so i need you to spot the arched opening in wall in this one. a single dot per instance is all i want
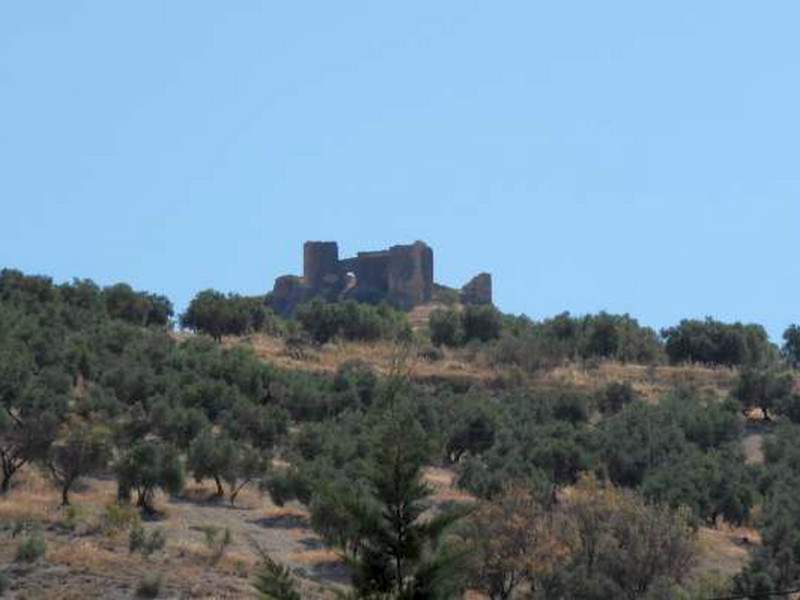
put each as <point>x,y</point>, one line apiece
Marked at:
<point>350,283</point>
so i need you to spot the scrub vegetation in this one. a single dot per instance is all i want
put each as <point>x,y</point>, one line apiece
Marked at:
<point>356,450</point>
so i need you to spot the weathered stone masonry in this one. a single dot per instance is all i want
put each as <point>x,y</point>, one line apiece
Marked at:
<point>401,275</point>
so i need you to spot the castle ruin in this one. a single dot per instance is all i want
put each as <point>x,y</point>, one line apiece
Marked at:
<point>401,276</point>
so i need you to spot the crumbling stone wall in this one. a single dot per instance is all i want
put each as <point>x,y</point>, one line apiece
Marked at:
<point>478,290</point>
<point>410,275</point>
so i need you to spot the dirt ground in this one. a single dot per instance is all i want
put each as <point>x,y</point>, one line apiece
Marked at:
<point>85,560</point>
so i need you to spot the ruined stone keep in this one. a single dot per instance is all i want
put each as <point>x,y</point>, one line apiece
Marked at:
<point>401,275</point>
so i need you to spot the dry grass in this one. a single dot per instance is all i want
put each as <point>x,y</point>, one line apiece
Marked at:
<point>315,557</point>
<point>97,556</point>
<point>31,499</point>
<point>381,356</point>
<point>753,448</point>
<point>82,560</point>
<point>459,365</point>
<point>443,483</point>
<point>651,382</point>
<point>725,550</point>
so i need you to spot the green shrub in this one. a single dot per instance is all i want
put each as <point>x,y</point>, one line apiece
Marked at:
<point>791,345</point>
<point>351,321</point>
<point>481,323</point>
<point>763,388</point>
<point>273,580</point>
<point>147,466</point>
<point>146,544</point>
<point>355,379</point>
<point>118,517</point>
<point>32,547</point>
<point>446,328</point>
<point>713,342</point>
<point>216,314</point>
<point>530,351</point>
<point>217,540</point>
<point>615,396</point>
<point>73,516</point>
<point>149,586</point>
<point>536,345</point>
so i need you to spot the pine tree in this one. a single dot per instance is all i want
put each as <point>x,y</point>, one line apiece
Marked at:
<point>398,553</point>
<point>273,581</point>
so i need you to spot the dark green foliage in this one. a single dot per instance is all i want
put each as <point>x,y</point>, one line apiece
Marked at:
<point>216,314</point>
<point>638,439</point>
<point>789,407</point>
<point>398,552</point>
<point>712,485</point>
<point>451,327</point>
<point>137,308</point>
<point>211,456</point>
<point>139,540</point>
<point>33,403</point>
<point>147,466</point>
<point>530,350</point>
<point>32,547</point>
<point>273,581</point>
<point>539,438</point>
<point>249,465</point>
<point>446,327</point>
<point>481,323</point>
<point>776,564</point>
<point>356,383</point>
<point>615,396</point>
<point>471,429</point>
<point>791,345</point>
<point>177,424</point>
<point>261,426</point>
<point>336,510</point>
<point>568,405</point>
<point>82,451</point>
<point>705,421</point>
<point>351,321</point>
<point>536,345</point>
<point>764,389</point>
<point>237,453</point>
<point>781,456</point>
<point>360,474</point>
<point>602,338</point>
<point>716,343</point>
<point>681,452</point>
<point>319,319</point>
<point>82,302</point>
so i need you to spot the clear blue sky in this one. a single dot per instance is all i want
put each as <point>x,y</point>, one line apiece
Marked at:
<point>630,156</point>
